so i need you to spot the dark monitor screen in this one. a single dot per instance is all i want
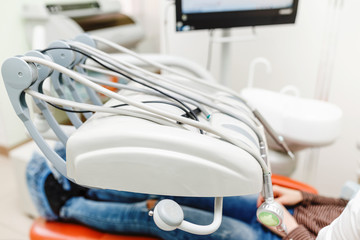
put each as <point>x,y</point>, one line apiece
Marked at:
<point>211,14</point>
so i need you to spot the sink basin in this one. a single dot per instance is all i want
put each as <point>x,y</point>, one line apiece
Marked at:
<point>302,122</point>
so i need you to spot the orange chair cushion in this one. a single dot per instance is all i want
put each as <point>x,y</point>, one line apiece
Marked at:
<point>45,230</point>
<point>293,184</point>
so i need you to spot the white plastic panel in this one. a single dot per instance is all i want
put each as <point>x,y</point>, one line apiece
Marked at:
<point>132,154</point>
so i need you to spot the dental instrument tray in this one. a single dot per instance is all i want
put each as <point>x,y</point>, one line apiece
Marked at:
<point>168,134</point>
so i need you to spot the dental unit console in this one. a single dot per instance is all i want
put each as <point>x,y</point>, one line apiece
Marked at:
<point>170,134</point>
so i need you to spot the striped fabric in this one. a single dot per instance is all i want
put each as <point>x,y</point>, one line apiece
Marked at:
<point>314,213</point>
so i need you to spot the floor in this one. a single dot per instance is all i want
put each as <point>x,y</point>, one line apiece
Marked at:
<point>14,225</point>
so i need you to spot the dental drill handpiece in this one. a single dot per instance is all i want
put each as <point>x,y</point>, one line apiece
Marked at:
<point>270,213</point>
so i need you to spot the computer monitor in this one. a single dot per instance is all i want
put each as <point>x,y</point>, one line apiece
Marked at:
<point>211,14</point>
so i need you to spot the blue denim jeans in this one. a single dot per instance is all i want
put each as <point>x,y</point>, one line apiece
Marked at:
<point>124,212</point>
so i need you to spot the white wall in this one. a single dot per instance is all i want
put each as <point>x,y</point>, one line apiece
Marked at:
<point>294,52</point>
<point>12,43</point>
<point>3,141</point>
<point>147,13</point>
<point>342,159</point>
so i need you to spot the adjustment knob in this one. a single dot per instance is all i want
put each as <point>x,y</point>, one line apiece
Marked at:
<point>168,215</point>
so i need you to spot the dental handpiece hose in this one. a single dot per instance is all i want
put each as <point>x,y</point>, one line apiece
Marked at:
<point>277,138</point>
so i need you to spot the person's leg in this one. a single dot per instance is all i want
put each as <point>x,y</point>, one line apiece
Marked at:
<point>48,194</point>
<point>117,196</point>
<point>37,172</point>
<point>239,207</point>
<point>134,219</point>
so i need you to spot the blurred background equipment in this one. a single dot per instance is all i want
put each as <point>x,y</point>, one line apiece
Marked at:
<point>61,20</point>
